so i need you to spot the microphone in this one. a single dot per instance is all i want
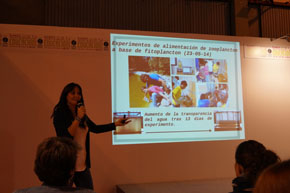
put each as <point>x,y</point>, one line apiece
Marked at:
<point>84,119</point>
<point>80,104</point>
<point>124,121</point>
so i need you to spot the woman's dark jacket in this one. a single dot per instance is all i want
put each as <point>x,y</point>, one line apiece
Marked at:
<point>62,120</point>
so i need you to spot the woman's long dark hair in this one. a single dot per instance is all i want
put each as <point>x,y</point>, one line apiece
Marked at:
<point>62,103</point>
<point>254,158</point>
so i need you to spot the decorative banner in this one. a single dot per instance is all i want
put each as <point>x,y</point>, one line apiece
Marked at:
<point>56,42</point>
<point>22,40</point>
<point>274,52</point>
<point>85,43</point>
<point>52,42</point>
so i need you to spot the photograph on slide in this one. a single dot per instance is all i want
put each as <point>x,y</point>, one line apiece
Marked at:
<point>149,81</point>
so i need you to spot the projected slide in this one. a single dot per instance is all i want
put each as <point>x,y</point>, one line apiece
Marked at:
<point>176,90</point>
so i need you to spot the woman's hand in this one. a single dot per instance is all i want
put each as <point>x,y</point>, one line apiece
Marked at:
<point>81,111</point>
<point>122,122</point>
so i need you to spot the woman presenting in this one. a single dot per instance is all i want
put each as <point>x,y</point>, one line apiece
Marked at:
<point>70,120</point>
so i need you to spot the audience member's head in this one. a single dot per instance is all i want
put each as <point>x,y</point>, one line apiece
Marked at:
<point>55,161</point>
<point>252,158</point>
<point>275,179</point>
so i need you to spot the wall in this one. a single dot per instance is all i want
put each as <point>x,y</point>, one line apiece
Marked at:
<point>31,80</point>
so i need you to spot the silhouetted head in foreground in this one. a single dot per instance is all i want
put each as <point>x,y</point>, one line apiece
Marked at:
<point>252,158</point>
<point>55,161</point>
<point>275,179</point>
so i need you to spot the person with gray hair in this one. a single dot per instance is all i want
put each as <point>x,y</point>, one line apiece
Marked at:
<point>55,166</point>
